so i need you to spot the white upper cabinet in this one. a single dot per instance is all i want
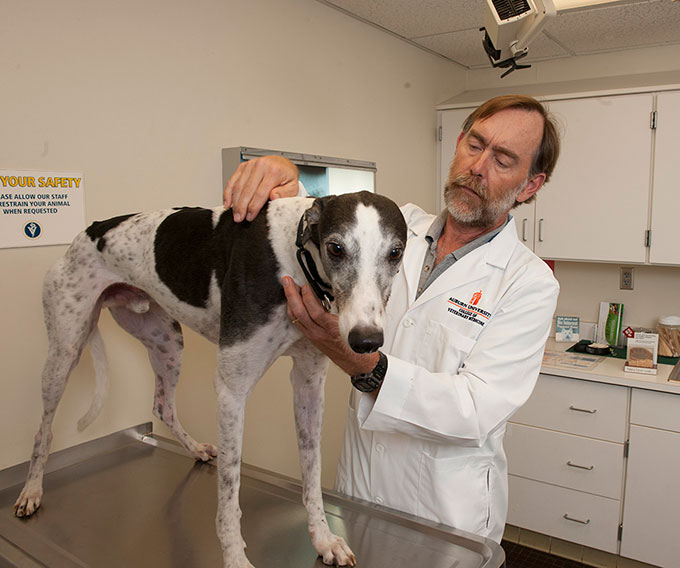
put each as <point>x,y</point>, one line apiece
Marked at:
<point>615,193</point>
<point>596,206</point>
<point>665,244</point>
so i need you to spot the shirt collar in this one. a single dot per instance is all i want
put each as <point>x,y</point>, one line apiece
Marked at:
<point>437,226</point>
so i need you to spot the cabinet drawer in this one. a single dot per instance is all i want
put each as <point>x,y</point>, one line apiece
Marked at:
<point>655,409</point>
<point>578,407</point>
<point>574,462</point>
<point>564,513</point>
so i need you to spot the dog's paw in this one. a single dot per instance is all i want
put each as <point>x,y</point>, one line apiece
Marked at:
<point>204,452</point>
<point>27,503</point>
<point>237,564</point>
<point>236,559</point>
<point>334,551</point>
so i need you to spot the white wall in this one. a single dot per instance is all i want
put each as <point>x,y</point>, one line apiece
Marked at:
<point>141,96</point>
<point>615,64</point>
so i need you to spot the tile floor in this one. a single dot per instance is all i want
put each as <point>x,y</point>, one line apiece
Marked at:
<point>518,556</point>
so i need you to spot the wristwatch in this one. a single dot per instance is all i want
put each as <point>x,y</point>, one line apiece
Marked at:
<point>368,382</point>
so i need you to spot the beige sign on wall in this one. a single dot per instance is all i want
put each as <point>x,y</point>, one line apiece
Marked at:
<point>40,208</point>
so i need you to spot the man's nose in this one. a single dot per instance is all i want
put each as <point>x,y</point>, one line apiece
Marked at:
<point>479,165</point>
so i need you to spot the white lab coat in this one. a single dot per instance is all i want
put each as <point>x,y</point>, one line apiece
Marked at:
<point>431,444</point>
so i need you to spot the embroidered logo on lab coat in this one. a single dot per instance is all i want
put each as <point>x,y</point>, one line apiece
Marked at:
<point>469,311</point>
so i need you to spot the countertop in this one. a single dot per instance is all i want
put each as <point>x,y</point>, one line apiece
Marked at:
<point>602,369</point>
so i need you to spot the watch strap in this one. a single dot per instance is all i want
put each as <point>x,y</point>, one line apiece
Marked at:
<point>369,382</point>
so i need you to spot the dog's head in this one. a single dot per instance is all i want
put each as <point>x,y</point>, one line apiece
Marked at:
<point>361,239</point>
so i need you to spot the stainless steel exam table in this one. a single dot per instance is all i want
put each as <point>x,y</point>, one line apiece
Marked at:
<point>133,499</point>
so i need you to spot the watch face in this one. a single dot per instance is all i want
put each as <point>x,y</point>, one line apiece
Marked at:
<point>366,383</point>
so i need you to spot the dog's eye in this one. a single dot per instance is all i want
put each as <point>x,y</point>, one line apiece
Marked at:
<point>395,253</point>
<point>334,249</point>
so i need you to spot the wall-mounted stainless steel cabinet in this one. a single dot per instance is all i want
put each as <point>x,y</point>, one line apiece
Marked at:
<point>321,175</point>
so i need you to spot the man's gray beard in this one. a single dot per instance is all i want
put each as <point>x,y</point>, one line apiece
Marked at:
<point>474,213</point>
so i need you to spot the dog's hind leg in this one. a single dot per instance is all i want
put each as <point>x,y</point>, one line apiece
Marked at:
<point>308,377</point>
<point>60,361</point>
<point>162,337</point>
<point>70,318</point>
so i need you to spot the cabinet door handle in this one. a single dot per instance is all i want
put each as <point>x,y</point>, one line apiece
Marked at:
<point>575,408</point>
<point>572,519</point>
<point>588,467</point>
<point>540,230</point>
<point>524,229</point>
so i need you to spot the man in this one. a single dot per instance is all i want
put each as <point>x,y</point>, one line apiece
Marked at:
<point>466,326</point>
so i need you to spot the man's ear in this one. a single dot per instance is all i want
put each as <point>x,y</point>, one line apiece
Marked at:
<point>533,185</point>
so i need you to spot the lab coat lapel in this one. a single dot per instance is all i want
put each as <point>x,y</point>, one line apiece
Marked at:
<point>414,255</point>
<point>473,266</point>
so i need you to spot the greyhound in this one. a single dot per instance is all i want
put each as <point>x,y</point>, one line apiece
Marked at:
<point>222,279</point>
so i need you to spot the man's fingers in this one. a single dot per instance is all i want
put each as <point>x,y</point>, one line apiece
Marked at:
<point>296,308</point>
<point>312,304</point>
<point>232,183</point>
<point>255,182</point>
<point>246,199</point>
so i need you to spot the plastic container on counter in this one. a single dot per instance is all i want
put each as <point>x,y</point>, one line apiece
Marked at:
<point>669,336</point>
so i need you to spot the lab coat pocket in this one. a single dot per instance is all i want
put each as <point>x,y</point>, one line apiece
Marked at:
<point>455,491</point>
<point>443,349</point>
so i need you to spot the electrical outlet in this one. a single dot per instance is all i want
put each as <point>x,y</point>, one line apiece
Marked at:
<point>626,279</point>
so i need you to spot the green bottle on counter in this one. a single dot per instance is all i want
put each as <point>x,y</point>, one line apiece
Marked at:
<point>612,328</point>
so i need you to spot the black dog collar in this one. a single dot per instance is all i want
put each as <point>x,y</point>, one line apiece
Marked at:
<point>308,266</point>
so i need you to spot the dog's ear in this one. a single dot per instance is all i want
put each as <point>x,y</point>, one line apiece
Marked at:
<point>312,217</point>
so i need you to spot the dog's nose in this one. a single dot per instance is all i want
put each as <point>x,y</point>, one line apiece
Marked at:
<point>365,341</point>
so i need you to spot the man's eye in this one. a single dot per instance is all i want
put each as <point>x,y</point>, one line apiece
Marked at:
<point>335,249</point>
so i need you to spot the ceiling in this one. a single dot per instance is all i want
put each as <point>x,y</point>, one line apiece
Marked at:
<point>450,28</point>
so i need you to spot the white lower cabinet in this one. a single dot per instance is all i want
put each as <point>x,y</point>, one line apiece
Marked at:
<point>584,464</point>
<point>651,514</point>
<point>565,451</point>
<point>569,476</point>
<point>571,515</point>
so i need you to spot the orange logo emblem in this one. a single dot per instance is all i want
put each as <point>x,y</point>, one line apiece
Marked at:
<point>475,298</point>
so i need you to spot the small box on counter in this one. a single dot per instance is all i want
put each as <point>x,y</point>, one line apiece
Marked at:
<point>567,328</point>
<point>642,352</point>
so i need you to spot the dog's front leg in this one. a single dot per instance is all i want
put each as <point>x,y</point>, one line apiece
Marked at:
<point>232,393</point>
<point>308,376</point>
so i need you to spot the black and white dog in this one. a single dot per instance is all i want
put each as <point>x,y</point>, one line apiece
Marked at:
<point>222,279</point>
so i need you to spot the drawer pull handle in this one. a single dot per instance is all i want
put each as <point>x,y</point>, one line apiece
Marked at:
<point>593,411</point>
<point>566,516</point>
<point>588,467</point>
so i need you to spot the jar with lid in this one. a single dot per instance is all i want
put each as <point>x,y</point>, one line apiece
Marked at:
<point>669,336</point>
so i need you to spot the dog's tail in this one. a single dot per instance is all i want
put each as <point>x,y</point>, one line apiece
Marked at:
<point>101,389</point>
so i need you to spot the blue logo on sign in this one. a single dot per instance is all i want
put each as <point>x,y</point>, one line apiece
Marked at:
<point>32,230</point>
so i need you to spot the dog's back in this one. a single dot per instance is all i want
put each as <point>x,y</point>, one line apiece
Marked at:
<point>196,263</point>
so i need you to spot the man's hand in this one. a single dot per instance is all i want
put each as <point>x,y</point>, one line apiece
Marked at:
<point>321,328</point>
<point>258,180</point>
